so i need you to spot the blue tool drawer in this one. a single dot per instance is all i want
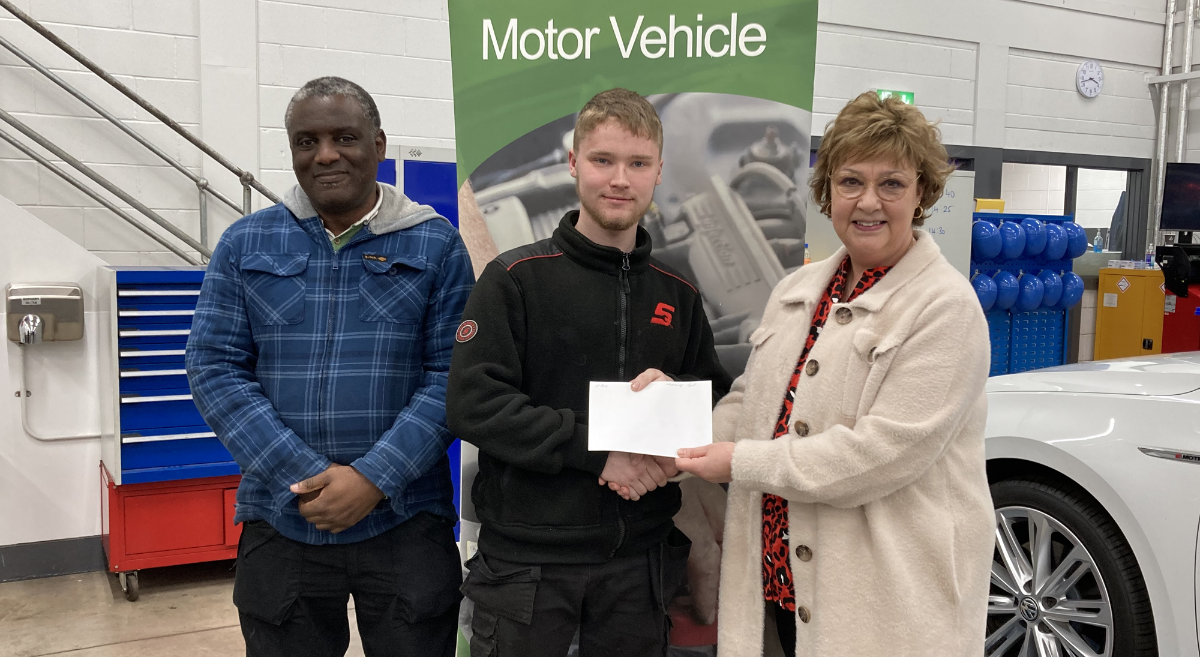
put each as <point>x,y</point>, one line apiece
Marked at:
<point>163,437</point>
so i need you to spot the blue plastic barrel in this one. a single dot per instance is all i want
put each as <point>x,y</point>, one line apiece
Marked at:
<point>1077,241</point>
<point>1054,287</point>
<point>1007,289</point>
<point>1035,237</point>
<point>985,289</point>
<point>1013,237</point>
<point>985,240</point>
<point>1030,296</point>
<point>1072,291</point>
<point>1056,242</point>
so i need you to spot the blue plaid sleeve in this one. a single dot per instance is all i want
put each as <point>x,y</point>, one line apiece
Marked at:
<point>221,358</point>
<point>419,437</point>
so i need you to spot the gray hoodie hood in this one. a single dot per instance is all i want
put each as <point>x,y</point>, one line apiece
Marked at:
<point>397,211</point>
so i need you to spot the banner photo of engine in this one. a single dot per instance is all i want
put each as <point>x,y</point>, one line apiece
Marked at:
<point>732,82</point>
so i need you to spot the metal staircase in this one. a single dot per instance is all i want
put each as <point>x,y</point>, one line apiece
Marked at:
<point>199,244</point>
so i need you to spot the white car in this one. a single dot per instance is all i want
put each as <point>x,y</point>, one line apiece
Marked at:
<point>1095,475</point>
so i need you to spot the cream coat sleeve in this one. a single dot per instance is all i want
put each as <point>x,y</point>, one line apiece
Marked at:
<point>727,411</point>
<point>935,377</point>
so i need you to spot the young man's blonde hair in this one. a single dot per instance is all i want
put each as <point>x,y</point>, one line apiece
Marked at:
<point>870,127</point>
<point>633,112</point>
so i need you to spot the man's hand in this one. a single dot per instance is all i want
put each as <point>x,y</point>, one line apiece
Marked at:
<point>336,499</point>
<point>709,462</point>
<point>666,465</point>
<point>635,472</point>
<point>646,378</point>
<point>665,462</point>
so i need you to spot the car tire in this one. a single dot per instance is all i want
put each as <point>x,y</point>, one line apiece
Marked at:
<point>1068,519</point>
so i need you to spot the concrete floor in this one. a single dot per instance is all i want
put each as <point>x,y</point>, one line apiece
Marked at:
<point>183,610</point>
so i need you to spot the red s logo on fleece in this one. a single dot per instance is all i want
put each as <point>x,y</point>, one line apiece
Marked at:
<point>662,315</point>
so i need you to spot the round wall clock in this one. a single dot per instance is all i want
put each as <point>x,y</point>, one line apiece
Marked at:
<point>1089,79</point>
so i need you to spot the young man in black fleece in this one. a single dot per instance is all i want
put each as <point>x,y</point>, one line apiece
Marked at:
<point>559,550</point>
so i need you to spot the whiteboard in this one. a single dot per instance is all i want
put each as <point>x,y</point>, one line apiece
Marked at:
<point>949,220</point>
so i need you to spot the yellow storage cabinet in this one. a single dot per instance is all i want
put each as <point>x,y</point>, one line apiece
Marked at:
<point>1129,313</point>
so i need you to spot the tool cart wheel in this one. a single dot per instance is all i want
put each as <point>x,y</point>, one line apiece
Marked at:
<point>129,584</point>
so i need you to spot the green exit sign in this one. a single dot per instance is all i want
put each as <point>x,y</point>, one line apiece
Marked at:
<point>906,97</point>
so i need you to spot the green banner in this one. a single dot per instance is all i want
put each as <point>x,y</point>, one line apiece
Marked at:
<point>520,64</point>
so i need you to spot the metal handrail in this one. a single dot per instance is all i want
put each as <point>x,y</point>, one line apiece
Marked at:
<point>103,182</point>
<point>8,45</point>
<point>246,178</point>
<point>95,196</point>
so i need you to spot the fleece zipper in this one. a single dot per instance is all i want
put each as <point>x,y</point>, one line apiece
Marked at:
<point>625,291</point>
<point>624,315</point>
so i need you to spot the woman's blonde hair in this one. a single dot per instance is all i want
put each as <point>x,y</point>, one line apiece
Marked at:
<point>870,127</point>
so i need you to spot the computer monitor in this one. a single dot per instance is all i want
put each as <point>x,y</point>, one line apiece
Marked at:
<point>1181,197</point>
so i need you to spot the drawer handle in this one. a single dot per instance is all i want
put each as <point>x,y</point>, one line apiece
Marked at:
<point>128,440</point>
<point>135,333</point>
<point>138,399</point>
<point>130,374</point>
<point>158,293</point>
<point>155,313</point>
<point>144,354</point>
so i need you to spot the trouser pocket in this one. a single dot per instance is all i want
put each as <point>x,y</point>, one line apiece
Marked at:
<point>427,568</point>
<point>266,584</point>
<point>506,591</point>
<point>668,566</point>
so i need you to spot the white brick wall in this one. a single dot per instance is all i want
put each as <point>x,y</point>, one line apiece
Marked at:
<point>151,46</point>
<point>1033,188</point>
<point>992,72</point>
<point>940,72</point>
<point>399,52</point>
<point>1087,326</point>
<point>1098,194</point>
<point>1000,73</point>
<point>1044,109</point>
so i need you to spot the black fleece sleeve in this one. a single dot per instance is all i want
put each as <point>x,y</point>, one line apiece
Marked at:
<point>484,402</point>
<point>700,363</point>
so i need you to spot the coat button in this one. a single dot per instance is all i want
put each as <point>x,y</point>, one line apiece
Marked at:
<point>800,427</point>
<point>802,612</point>
<point>844,315</point>
<point>803,553</point>
<point>812,368</point>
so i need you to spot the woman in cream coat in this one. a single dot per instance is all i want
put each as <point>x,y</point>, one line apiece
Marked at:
<point>870,451</point>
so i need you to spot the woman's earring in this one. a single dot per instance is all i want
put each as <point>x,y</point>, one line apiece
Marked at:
<point>917,213</point>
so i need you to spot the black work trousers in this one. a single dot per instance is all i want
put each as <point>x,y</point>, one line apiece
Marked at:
<point>292,597</point>
<point>619,607</point>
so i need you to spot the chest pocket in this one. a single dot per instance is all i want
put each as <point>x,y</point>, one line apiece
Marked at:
<point>871,354</point>
<point>274,286</point>
<point>393,288</point>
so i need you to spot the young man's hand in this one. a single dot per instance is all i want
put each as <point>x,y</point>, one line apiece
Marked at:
<point>636,473</point>
<point>646,378</point>
<point>665,462</point>
<point>666,465</point>
<point>336,499</point>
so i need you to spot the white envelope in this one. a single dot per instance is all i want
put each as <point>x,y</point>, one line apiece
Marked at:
<point>658,420</point>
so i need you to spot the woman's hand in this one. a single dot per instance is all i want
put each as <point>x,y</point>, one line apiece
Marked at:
<point>709,462</point>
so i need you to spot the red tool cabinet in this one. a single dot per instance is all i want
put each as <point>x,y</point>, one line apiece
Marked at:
<point>167,483</point>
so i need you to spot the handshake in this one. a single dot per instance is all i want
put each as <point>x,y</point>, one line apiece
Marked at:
<point>633,475</point>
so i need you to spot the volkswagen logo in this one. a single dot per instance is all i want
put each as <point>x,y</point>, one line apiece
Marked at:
<point>1029,609</point>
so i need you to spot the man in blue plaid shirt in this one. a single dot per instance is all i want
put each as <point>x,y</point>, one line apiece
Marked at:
<point>319,354</point>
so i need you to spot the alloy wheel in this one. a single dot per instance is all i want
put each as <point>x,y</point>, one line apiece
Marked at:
<point>1047,598</point>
